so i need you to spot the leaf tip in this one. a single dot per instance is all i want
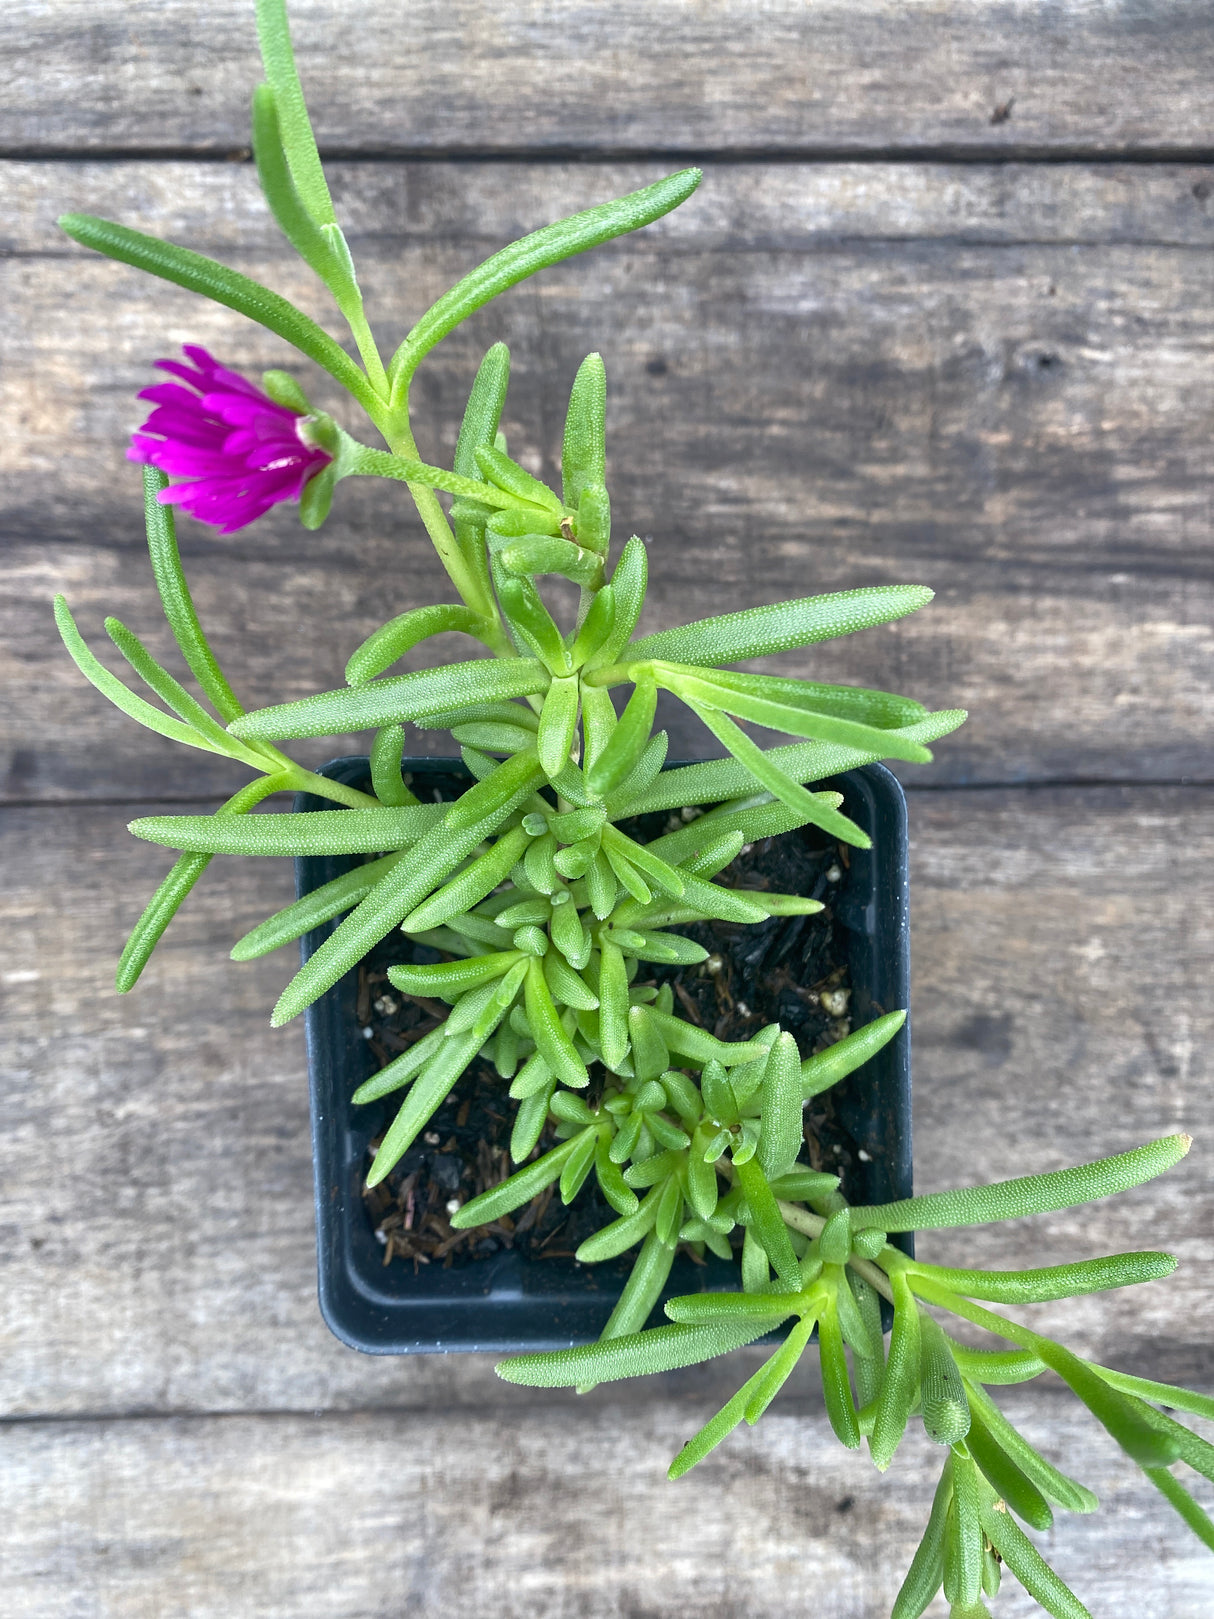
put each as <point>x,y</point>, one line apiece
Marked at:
<point>283,1012</point>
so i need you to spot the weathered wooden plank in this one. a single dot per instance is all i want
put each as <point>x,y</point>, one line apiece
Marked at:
<point>993,381</point>
<point>529,1511</point>
<point>1062,953</point>
<point>559,74</point>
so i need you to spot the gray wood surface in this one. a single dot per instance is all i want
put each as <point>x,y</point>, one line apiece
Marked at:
<point>520,1512</point>
<point>833,75</point>
<point>941,363</point>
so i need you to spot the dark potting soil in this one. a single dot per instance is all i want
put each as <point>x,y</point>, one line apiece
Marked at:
<point>787,970</point>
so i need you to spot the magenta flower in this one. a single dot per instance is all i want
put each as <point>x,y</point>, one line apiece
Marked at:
<point>242,451</point>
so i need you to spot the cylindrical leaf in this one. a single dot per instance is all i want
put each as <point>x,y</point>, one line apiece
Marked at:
<point>386,753</point>
<point>946,1413</point>
<point>427,1093</point>
<point>584,449</point>
<point>399,635</point>
<point>223,286</point>
<point>901,1376</point>
<point>780,1107</point>
<point>549,1032</point>
<point>519,1189</point>
<point>470,886</point>
<point>836,1386</point>
<point>1029,1194</point>
<point>926,1573</point>
<point>534,252</point>
<point>402,697</point>
<point>760,631</point>
<point>628,740</point>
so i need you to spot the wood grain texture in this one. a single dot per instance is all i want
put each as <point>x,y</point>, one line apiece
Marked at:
<point>637,75</point>
<point>1062,949</point>
<point>528,1514</point>
<point>997,382</point>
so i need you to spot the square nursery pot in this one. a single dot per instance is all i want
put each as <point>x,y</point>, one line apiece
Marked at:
<point>507,1303</point>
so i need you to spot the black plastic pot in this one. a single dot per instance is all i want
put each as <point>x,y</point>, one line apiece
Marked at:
<point>504,1303</point>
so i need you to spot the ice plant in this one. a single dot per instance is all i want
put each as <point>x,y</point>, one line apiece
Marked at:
<point>553,933</point>
<point>242,451</point>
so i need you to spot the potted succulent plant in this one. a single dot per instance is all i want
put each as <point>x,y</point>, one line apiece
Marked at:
<point>537,903</point>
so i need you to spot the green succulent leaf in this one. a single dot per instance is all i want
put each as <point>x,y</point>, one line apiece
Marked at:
<point>449,979</point>
<point>751,1400</point>
<point>1138,1429</point>
<point>313,910</point>
<point>399,635</point>
<point>764,700</point>
<point>1005,1477</point>
<point>174,695</point>
<point>836,1385</point>
<point>780,1137</point>
<point>427,1093</point>
<point>529,1121</point>
<point>497,467</point>
<point>403,697</point>
<point>827,1068</point>
<point>767,1221</point>
<point>628,740</point>
<point>483,411</point>
<point>110,686</point>
<point>659,1349</point>
<point>471,885</point>
<point>176,599</point>
<point>558,723</point>
<point>901,1376</point>
<point>530,622</point>
<point>1028,1565</point>
<point>173,891</point>
<point>759,631</point>
<point>628,586</point>
<point>549,1032</point>
<point>624,1233</point>
<point>584,448</point>
<point>535,252</point>
<point>1043,1475</point>
<point>546,553</point>
<point>519,1189</point>
<point>926,1573</point>
<point>1028,1194</point>
<point>313,832</point>
<point>814,809</point>
<point>299,143</point>
<point>197,273</point>
<point>1174,1492</point>
<point>278,187</point>
<point>1053,1281</point>
<point>715,780</point>
<point>946,1413</point>
<point>387,753</point>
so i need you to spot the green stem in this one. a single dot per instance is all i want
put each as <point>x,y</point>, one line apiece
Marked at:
<point>810,1225</point>
<point>617,674</point>
<point>933,1293</point>
<point>395,428</point>
<point>295,779</point>
<point>356,320</point>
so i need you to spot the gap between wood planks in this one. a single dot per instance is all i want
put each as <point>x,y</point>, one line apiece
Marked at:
<point>969,153</point>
